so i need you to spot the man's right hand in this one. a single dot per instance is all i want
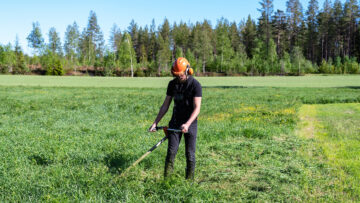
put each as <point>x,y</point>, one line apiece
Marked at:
<point>152,128</point>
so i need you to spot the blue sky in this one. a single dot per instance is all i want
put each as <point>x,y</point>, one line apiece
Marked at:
<point>16,16</point>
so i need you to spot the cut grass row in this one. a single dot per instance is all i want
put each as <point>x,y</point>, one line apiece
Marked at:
<point>334,130</point>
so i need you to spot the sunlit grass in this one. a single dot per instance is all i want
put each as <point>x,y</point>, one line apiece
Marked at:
<point>334,130</point>
<point>339,138</point>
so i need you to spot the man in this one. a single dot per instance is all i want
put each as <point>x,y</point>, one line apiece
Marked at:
<point>186,92</point>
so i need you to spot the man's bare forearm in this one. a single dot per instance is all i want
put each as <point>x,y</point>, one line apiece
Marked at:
<point>163,109</point>
<point>161,114</point>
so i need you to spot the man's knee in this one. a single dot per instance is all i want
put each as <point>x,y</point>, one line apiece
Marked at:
<point>190,156</point>
<point>171,153</point>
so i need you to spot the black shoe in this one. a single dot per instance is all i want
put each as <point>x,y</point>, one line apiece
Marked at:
<point>190,174</point>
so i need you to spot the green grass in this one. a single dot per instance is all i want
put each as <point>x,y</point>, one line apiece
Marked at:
<point>71,144</point>
<point>335,131</point>
<point>271,81</point>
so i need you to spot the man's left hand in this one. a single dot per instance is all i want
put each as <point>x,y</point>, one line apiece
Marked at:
<point>185,128</point>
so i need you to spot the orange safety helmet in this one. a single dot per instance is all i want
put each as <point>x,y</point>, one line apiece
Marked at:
<point>181,65</point>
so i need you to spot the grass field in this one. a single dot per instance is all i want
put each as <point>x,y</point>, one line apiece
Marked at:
<point>269,81</point>
<point>71,143</point>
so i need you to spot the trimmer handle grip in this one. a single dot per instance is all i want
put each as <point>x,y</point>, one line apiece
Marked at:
<point>167,129</point>
<point>160,127</point>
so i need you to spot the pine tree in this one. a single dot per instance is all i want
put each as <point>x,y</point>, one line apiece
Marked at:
<point>153,47</point>
<point>146,40</point>
<point>202,43</point>
<point>173,44</point>
<point>180,35</point>
<point>164,52</point>
<point>351,15</point>
<point>311,36</point>
<point>54,42</point>
<point>189,55</point>
<point>115,38</point>
<point>92,41</point>
<point>71,44</point>
<point>35,39</point>
<point>50,62</point>
<point>256,63</point>
<point>178,52</point>
<point>86,49</point>
<point>164,30</point>
<point>265,29</point>
<point>109,63</point>
<point>249,35</point>
<point>223,45</point>
<point>280,32</point>
<point>239,61</point>
<point>357,42</point>
<point>133,30</point>
<point>338,44</point>
<point>295,18</point>
<point>20,64</point>
<point>264,61</point>
<point>143,41</point>
<point>325,21</point>
<point>234,37</point>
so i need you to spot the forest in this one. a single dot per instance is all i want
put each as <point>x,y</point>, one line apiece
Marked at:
<point>317,39</point>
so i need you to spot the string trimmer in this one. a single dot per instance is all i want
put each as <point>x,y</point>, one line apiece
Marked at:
<point>165,129</point>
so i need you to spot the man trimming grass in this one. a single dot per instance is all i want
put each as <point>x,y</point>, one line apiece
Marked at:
<point>186,92</point>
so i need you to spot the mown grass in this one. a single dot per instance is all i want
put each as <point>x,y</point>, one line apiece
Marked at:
<point>71,144</point>
<point>149,82</point>
<point>335,131</point>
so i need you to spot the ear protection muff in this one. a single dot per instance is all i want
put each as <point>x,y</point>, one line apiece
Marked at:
<point>189,71</point>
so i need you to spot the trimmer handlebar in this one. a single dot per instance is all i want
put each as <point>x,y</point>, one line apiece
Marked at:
<point>168,129</point>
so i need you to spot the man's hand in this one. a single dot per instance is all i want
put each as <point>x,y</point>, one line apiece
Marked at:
<point>152,128</point>
<point>185,128</point>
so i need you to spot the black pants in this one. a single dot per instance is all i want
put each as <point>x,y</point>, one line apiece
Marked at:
<point>190,146</point>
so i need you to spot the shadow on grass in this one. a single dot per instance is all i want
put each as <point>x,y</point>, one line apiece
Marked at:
<point>353,87</point>
<point>225,87</point>
<point>117,162</point>
<point>39,159</point>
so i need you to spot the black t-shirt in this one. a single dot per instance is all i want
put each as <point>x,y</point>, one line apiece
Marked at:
<point>183,95</point>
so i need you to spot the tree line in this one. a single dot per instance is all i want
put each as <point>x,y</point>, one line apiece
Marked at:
<point>291,42</point>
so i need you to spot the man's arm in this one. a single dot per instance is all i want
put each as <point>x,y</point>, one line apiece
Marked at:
<point>163,109</point>
<point>194,115</point>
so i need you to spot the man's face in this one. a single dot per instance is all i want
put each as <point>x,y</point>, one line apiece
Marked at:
<point>182,77</point>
